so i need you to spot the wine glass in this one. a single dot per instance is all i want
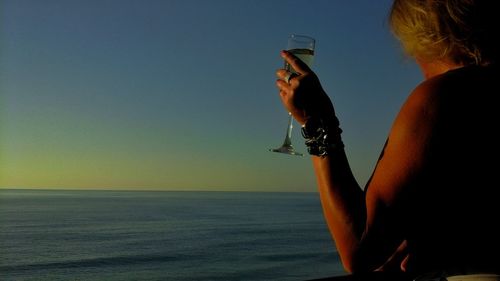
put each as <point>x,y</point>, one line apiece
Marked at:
<point>303,48</point>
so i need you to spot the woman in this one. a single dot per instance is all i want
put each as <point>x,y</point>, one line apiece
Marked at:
<point>430,205</point>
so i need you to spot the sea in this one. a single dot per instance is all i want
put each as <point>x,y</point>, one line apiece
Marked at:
<point>163,235</point>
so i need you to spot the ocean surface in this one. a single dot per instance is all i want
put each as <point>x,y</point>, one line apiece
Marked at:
<point>130,235</point>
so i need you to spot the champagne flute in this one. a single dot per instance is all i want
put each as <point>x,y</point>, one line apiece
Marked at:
<point>303,48</point>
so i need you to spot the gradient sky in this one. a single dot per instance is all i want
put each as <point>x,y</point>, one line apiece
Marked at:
<point>180,94</point>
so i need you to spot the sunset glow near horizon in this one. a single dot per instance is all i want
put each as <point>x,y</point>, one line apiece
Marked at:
<point>180,94</point>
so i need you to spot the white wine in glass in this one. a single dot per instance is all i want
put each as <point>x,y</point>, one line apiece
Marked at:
<point>303,48</point>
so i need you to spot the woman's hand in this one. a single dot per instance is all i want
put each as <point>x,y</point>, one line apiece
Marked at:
<point>303,95</point>
<point>397,262</point>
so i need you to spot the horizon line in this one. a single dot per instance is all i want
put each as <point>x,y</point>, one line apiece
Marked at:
<point>2,188</point>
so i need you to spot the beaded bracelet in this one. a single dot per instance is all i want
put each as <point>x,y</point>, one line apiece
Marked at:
<point>320,137</point>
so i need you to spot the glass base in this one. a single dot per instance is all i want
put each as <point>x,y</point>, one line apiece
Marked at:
<point>287,147</point>
<point>287,150</point>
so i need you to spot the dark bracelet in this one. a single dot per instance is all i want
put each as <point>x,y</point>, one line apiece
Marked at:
<point>321,137</point>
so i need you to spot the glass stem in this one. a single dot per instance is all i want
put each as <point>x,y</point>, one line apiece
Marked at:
<point>288,137</point>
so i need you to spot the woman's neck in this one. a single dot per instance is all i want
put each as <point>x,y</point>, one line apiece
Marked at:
<point>436,67</point>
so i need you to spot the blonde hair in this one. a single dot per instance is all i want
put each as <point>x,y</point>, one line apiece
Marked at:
<point>463,31</point>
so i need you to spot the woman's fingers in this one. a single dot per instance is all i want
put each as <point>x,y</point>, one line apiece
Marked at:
<point>287,93</point>
<point>282,74</point>
<point>282,85</point>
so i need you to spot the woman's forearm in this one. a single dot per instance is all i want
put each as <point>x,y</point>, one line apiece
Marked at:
<point>343,202</point>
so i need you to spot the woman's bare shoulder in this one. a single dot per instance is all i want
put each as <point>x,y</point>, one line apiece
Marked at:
<point>430,94</point>
<point>430,89</point>
<point>423,102</point>
<point>459,84</point>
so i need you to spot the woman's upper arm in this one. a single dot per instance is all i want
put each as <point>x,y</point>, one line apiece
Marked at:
<point>400,164</point>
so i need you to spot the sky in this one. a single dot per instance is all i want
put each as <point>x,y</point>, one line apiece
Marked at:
<point>181,95</point>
